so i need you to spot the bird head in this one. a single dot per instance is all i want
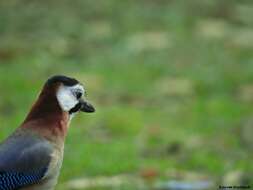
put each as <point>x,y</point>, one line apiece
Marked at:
<point>60,94</point>
<point>70,94</point>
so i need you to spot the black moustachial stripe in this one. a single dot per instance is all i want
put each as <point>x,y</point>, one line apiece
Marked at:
<point>67,81</point>
<point>76,108</point>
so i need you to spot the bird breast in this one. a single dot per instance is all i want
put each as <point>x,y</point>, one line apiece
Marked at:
<point>50,179</point>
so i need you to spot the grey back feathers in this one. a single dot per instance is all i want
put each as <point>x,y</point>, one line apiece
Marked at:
<point>24,152</point>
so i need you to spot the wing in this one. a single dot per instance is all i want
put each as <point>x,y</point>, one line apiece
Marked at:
<point>24,160</point>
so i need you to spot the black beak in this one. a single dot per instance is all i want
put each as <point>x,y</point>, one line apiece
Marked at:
<point>86,106</point>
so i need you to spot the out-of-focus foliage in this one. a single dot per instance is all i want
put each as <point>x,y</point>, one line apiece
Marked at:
<point>172,82</point>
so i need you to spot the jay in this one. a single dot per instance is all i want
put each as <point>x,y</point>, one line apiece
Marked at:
<point>31,157</point>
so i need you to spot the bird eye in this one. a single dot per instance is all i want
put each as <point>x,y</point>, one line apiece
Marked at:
<point>78,95</point>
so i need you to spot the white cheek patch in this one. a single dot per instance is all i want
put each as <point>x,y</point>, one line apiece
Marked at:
<point>66,98</point>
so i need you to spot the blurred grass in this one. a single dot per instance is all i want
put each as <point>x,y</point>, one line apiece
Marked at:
<point>159,72</point>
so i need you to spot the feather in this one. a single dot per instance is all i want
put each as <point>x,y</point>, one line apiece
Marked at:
<point>15,180</point>
<point>24,160</point>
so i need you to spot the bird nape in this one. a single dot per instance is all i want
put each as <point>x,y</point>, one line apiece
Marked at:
<point>31,157</point>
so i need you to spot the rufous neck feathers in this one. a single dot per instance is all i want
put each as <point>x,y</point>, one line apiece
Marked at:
<point>46,115</point>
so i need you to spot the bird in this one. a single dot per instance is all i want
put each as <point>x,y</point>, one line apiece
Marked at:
<point>31,157</point>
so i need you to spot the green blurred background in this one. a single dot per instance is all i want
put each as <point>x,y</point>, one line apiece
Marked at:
<point>172,82</point>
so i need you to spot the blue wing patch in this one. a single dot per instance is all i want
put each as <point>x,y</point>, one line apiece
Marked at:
<point>15,180</point>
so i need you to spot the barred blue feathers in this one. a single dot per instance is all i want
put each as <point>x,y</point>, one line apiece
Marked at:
<point>15,180</point>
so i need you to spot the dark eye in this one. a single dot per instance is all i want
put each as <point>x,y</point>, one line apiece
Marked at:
<point>78,95</point>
